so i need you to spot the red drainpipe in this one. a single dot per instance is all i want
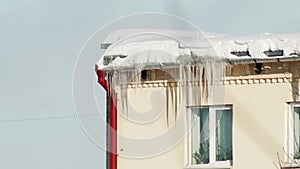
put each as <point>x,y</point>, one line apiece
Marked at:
<point>113,118</point>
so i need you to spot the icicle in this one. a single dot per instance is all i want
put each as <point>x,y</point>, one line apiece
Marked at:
<point>197,85</point>
<point>110,82</point>
<point>190,92</point>
<point>138,81</point>
<point>182,89</point>
<point>185,85</point>
<point>201,80</point>
<point>176,104</point>
<point>167,105</point>
<point>174,101</point>
<point>193,80</point>
<point>181,81</point>
<point>173,104</point>
<point>124,98</point>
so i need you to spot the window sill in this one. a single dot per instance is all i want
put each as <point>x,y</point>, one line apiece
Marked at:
<point>290,165</point>
<point>218,165</point>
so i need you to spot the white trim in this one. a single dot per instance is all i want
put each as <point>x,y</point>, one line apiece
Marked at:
<point>217,165</point>
<point>228,80</point>
<point>190,158</point>
<point>212,142</point>
<point>290,132</point>
<point>289,165</point>
<point>212,134</point>
<point>286,132</point>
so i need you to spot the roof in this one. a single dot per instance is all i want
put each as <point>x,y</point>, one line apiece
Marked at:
<point>117,35</point>
<point>153,47</point>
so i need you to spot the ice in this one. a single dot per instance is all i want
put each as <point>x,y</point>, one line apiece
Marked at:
<point>213,46</point>
<point>198,64</point>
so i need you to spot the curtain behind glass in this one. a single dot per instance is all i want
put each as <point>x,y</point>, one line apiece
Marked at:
<point>204,134</point>
<point>201,136</point>
<point>296,131</point>
<point>224,135</point>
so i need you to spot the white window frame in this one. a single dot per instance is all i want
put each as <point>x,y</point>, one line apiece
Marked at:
<point>212,141</point>
<point>290,132</point>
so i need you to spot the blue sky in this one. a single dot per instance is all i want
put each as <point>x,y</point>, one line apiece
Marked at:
<point>40,41</point>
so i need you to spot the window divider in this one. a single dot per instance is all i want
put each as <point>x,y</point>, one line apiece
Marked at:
<point>212,134</point>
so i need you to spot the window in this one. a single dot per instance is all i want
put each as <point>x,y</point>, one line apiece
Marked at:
<point>240,53</point>
<point>272,53</point>
<point>211,137</point>
<point>145,75</point>
<point>294,130</point>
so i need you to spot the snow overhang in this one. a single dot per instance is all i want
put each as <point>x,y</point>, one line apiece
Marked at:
<point>157,53</point>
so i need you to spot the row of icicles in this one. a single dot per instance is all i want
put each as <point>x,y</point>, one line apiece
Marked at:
<point>194,85</point>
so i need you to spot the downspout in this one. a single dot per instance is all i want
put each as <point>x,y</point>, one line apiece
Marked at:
<point>112,113</point>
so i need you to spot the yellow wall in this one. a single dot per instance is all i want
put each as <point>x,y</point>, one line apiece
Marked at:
<point>259,123</point>
<point>146,129</point>
<point>259,114</point>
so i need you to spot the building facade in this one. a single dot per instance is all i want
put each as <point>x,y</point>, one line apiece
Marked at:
<point>234,112</point>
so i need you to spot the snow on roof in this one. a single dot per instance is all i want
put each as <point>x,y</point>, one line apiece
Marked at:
<point>125,48</point>
<point>117,35</point>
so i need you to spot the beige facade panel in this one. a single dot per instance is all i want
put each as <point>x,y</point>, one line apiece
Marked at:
<point>260,117</point>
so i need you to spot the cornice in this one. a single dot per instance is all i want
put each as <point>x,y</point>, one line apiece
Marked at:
<point>228,80</point>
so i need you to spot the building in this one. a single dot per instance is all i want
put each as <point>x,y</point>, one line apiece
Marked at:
<point>191,100</point>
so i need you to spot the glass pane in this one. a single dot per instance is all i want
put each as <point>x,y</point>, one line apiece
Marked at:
<point>223,135</point>
<point>296,132</point>
<point>200,135</point>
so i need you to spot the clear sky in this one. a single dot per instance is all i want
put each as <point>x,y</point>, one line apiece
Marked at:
<point>40,41</point>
